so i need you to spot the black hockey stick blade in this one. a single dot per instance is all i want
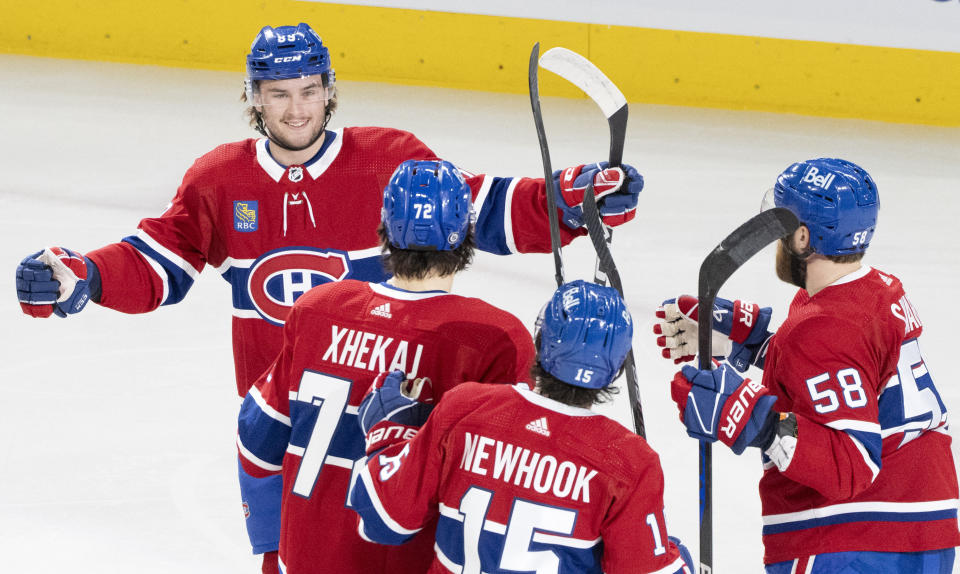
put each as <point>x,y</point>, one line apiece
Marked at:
<point>745,242</point>
<point>595,228</point>
<point>582,73</point>
<point>547,170</point>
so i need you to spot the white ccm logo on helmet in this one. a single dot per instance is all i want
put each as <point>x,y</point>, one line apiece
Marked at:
<point>821,181</point>
<point>288,59</point>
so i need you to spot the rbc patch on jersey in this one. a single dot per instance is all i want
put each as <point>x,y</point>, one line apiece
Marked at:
<point>245,216</point>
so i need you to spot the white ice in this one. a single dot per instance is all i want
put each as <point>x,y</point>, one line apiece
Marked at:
<point>117,432</point>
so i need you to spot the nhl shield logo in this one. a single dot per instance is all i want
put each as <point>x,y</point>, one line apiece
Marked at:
<point>295,174</point>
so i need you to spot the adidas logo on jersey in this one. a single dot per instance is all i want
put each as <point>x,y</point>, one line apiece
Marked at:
<point>382,311</point>
<point>539,426</point>
<point>821,181</point>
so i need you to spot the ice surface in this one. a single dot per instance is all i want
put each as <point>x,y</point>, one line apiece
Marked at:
<point>117,432</point>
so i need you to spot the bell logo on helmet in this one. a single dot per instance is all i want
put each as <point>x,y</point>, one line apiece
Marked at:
<point>821,181</point>
<point>570,299</point>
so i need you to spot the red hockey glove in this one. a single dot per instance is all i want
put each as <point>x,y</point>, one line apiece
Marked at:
<point>616,189</point>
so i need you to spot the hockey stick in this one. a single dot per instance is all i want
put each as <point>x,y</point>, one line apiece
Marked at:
<point>745,242</point>
<point>547,170</point>
<point>591,216</point>
<point>582,73</point>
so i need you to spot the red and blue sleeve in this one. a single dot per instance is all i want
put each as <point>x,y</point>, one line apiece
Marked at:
<point>831,380</point>
<point>159,264</point>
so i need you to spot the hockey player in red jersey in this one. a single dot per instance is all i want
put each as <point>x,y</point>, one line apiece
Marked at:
<point>279,215</point>
<point>300,418</point>
<point>858,471</point>
<point>521,480</point>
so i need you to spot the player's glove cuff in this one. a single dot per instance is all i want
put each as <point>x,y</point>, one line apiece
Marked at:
<point>386,433</point>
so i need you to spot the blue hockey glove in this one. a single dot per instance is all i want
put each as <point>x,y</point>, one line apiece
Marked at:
<point>394,409</point>
<point>616,189</point>
<point>55,280</point>
<point>739,330</point>
<point>720,404</point>
<point>684,553</point>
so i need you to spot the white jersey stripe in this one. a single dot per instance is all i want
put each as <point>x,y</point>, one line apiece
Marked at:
<point>169,255</point>
<point>390,523</point>
<point>482,194</point>
<point>445,561</point>
<point>161,274</point>
<point>862,426</point>
<point>673,567</point>
<point>317,168</point>
<point>508,217</point>
<point>266,161</point>
<point>852,507</point>
<point>256,460</point>
<point>331,460</point>
<point>267,409</point>
<point>403,295</point>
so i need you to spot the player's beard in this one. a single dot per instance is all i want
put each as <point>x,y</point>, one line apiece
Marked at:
<point>287,145</point>
<point>791,266</point>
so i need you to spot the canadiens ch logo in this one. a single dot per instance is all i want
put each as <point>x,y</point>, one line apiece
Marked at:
<point>245,216</point>
<point>281,276</point>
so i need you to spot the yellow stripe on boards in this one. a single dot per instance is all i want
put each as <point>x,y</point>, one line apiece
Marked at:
<point>490,53</point>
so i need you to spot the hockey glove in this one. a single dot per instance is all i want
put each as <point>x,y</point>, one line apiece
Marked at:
<point>616,189</point>
<point>394,409</point>
<point>54,281</point>
<point>684,554</point>
<point>720,404</point>
<point>739,330</point>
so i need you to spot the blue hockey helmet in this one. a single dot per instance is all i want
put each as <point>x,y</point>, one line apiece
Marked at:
<point>287,52</point>
<point>836,199</point>
<point>427,206</point>
<point>585,334</point>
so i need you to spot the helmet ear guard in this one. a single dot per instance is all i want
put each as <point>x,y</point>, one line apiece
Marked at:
<point>288,52</point>
<point>585,333</point>
<point>427,206</point>
<point>835,199</point>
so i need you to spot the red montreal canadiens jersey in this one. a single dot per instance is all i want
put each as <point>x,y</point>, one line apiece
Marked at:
<point>520,482</point>
<point>301,416</point>
<point>872,468</point>
<point>273,232</point>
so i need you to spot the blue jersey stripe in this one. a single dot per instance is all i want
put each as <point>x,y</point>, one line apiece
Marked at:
<point>347,442</point>
<point>177,280</point>
<point>489,231</point>
<point>367,269</point>
<point>374,528</point>
<point>861,517</point>
<point>572,560</point>
<point>261,434</point>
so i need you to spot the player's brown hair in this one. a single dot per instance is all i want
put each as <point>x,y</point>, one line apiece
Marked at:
<point>848,258</point>
<point>415,264</point>
<point>553,388</point>
<point>255,117</point>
